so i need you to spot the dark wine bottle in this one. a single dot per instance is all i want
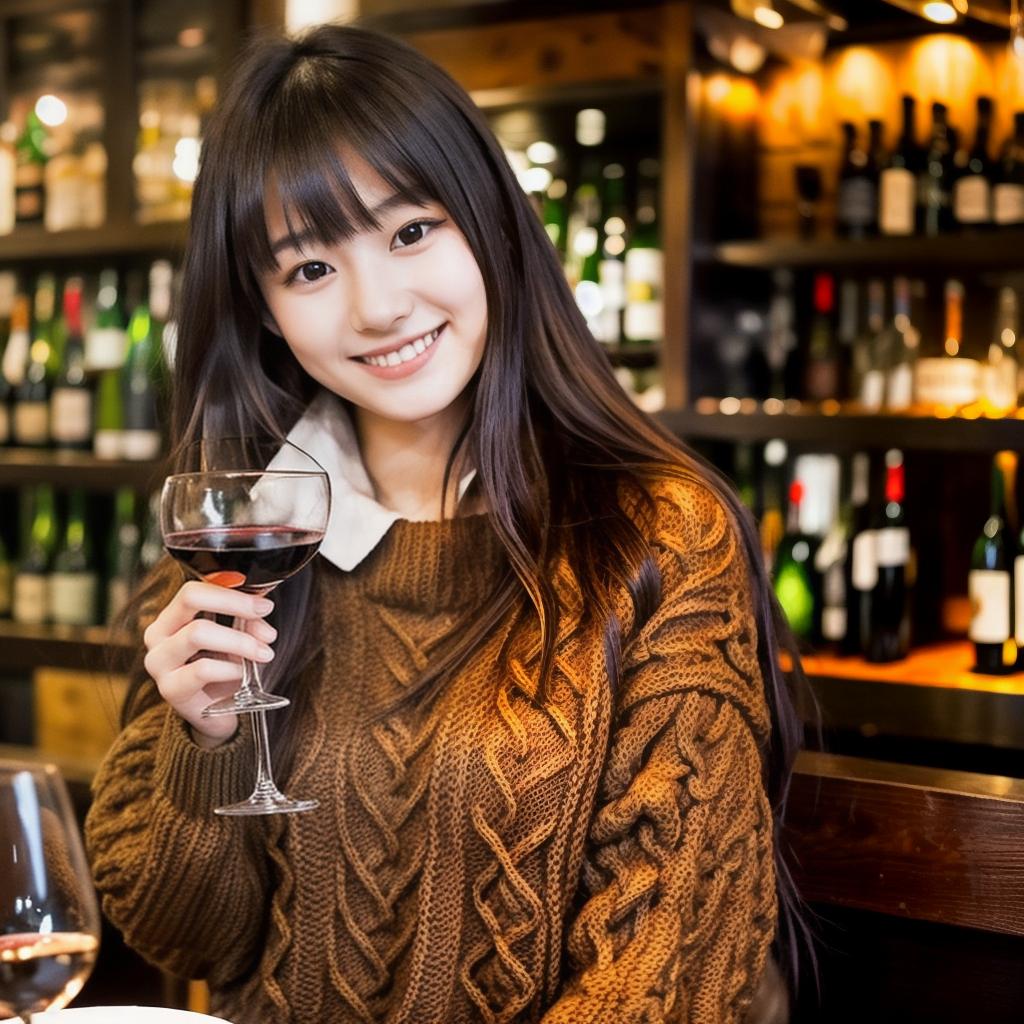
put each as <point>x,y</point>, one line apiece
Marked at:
<point>989,583</point>
<point>32,395</point>
<point>972,194</point>
<point>1008,192</point>
<point>32,579</point>
<point>857,203</point>
<point>886,629</point>
<point>74,580</point>
<point>123,554</point>
<point>897,200</point>
<point>935,178</point>
<point>72,401</point>
<point>822,374</point>
<point>859,568</point>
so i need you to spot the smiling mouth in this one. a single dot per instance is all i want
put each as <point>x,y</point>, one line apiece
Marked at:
<point>409,351</point>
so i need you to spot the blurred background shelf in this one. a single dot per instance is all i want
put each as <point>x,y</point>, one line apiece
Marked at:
<point>852,432</point>
<point>75,469</point>
<point>1001,250</point>
<point>90,648</point>
<point>29,244</point>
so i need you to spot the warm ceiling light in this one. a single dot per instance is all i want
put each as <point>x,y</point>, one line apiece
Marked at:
<point>766,16</point>
<point>940,12</point>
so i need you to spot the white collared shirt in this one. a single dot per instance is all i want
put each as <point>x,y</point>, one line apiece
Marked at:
<point>358,521</point>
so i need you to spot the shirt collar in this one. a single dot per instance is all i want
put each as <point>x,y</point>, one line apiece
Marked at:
<point>358,522</point>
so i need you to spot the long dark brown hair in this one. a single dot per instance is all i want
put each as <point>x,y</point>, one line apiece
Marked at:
<point>551,432</point>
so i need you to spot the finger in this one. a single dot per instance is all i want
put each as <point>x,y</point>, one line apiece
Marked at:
<point>196,597</point>
<point>185,689</point>
<point>262,630</point>
<point>203,635</point>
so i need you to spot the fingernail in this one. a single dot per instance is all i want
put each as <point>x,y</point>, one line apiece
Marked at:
<point>263,606</point>
<point>264,653</point>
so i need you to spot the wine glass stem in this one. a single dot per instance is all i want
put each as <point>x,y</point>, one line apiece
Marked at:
<point>265,785</point>
<point>250,671</point>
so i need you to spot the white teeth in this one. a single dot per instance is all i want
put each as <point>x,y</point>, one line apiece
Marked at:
<point>408,351</point>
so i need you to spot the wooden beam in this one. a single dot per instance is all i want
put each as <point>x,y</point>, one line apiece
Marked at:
<point>913,842</point>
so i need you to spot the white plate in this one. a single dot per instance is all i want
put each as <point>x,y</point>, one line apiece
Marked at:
<point>114,1014</point>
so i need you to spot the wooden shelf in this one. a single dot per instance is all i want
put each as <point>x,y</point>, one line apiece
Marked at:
<point>636,356</point>
<point>75,469</point>
<point>39,246</point>
<point>995,250</point>
<point>90,648</point>
<point>850,431</point>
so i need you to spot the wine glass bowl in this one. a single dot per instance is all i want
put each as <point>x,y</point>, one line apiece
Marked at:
<point>49,920</point>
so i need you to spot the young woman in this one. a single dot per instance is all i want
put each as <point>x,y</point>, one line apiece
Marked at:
<point>534,671</point>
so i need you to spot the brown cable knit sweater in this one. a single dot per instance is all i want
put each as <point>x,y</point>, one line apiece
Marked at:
<point>489,859</point>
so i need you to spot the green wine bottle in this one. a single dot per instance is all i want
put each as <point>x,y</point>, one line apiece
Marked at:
<point>74,581</point>
<point>643,322</point>
<point>32,395</point>
<point>794,570</point>
<point>123,555</point>
<point>71,401</point>
<point>31,581</point>
<point>142,371</point>
<point>106,341</point>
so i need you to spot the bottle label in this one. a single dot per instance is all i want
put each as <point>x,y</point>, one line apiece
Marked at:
<point>865,565</point>
<point>105,348</point>
<point>71,415</point>
<point>118,592</point>
<point>140,445</point>
<point>872,390</point>
<point>643,320</point>
<point>1018,600</point>
<point>1008,204</point>
<point>972,200</point>
<point>896,205</point>
<point>31,423</point>
<point>72,598</point>
<point>858,202</point>
<point>892,546</point>
<point>833,623</point>
<point>30,599</point>
<point>989,591</point>
<point>107,444</point>
<point>901,387</point>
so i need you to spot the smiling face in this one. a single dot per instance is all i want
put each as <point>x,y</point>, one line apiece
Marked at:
<point>393,319</point>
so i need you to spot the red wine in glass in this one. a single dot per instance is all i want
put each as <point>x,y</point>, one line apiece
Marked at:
<point>250,558</point>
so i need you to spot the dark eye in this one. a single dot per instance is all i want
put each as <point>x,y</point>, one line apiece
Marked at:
<point>310,272</point>
<point>411,233</point>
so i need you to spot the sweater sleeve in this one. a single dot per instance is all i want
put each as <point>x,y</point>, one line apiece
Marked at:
<point>676,909</point>
<point>188,888</point>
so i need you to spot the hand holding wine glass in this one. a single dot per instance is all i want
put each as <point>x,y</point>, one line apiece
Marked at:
<point>49,921</point>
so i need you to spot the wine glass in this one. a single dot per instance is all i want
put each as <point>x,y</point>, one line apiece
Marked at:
<point>49,921</point>
<point>252,514</point>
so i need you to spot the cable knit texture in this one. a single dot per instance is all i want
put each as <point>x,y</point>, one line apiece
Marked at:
<point>597,857</point>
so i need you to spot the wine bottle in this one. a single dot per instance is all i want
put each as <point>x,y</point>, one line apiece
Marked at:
<point>888,615</point>
<point>857,204</point>
<point>32,396</point>
<point>74,580</point>
<point>935,178</point>
<point>71,404</point>
<point>830,560</point>
<point>794,570</point>
<point>643,322</point>
<point>990,584</point>
<point>123,555</point>
<point>847,332</point>
<point>31,581</point>
<point>780,338</point>
<point>30,172</point>
<point>556,216</point>
<point>898,182</point>
<point>822,375</point>
<point>6,581</point>
<point>871,351</point>
<point>611,271</point>
<point>772,526</point>
<point>1008,192</point>
<point>859,570</point>
<point>106,340</point>
<point>903,348</point>
<point>584,225</point>
<point>972,193</point>
<point>143,368</point>
<point>15,359</point>
<point>7,291</point>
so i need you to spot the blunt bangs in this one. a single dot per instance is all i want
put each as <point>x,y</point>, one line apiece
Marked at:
<point>320,110</point>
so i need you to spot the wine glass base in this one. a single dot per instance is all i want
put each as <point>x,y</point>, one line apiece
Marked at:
<point>245,704</point>
<point>266,803</point>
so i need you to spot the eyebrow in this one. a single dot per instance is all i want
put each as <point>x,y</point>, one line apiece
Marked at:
<point>386,206</point>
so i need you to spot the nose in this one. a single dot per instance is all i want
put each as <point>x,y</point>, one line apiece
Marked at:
<point>378,298</point>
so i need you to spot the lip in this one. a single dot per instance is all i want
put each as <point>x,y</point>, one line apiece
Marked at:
<point>402,369</point>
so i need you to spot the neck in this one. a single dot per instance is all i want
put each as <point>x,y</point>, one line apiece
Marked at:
<point>406,461</point>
